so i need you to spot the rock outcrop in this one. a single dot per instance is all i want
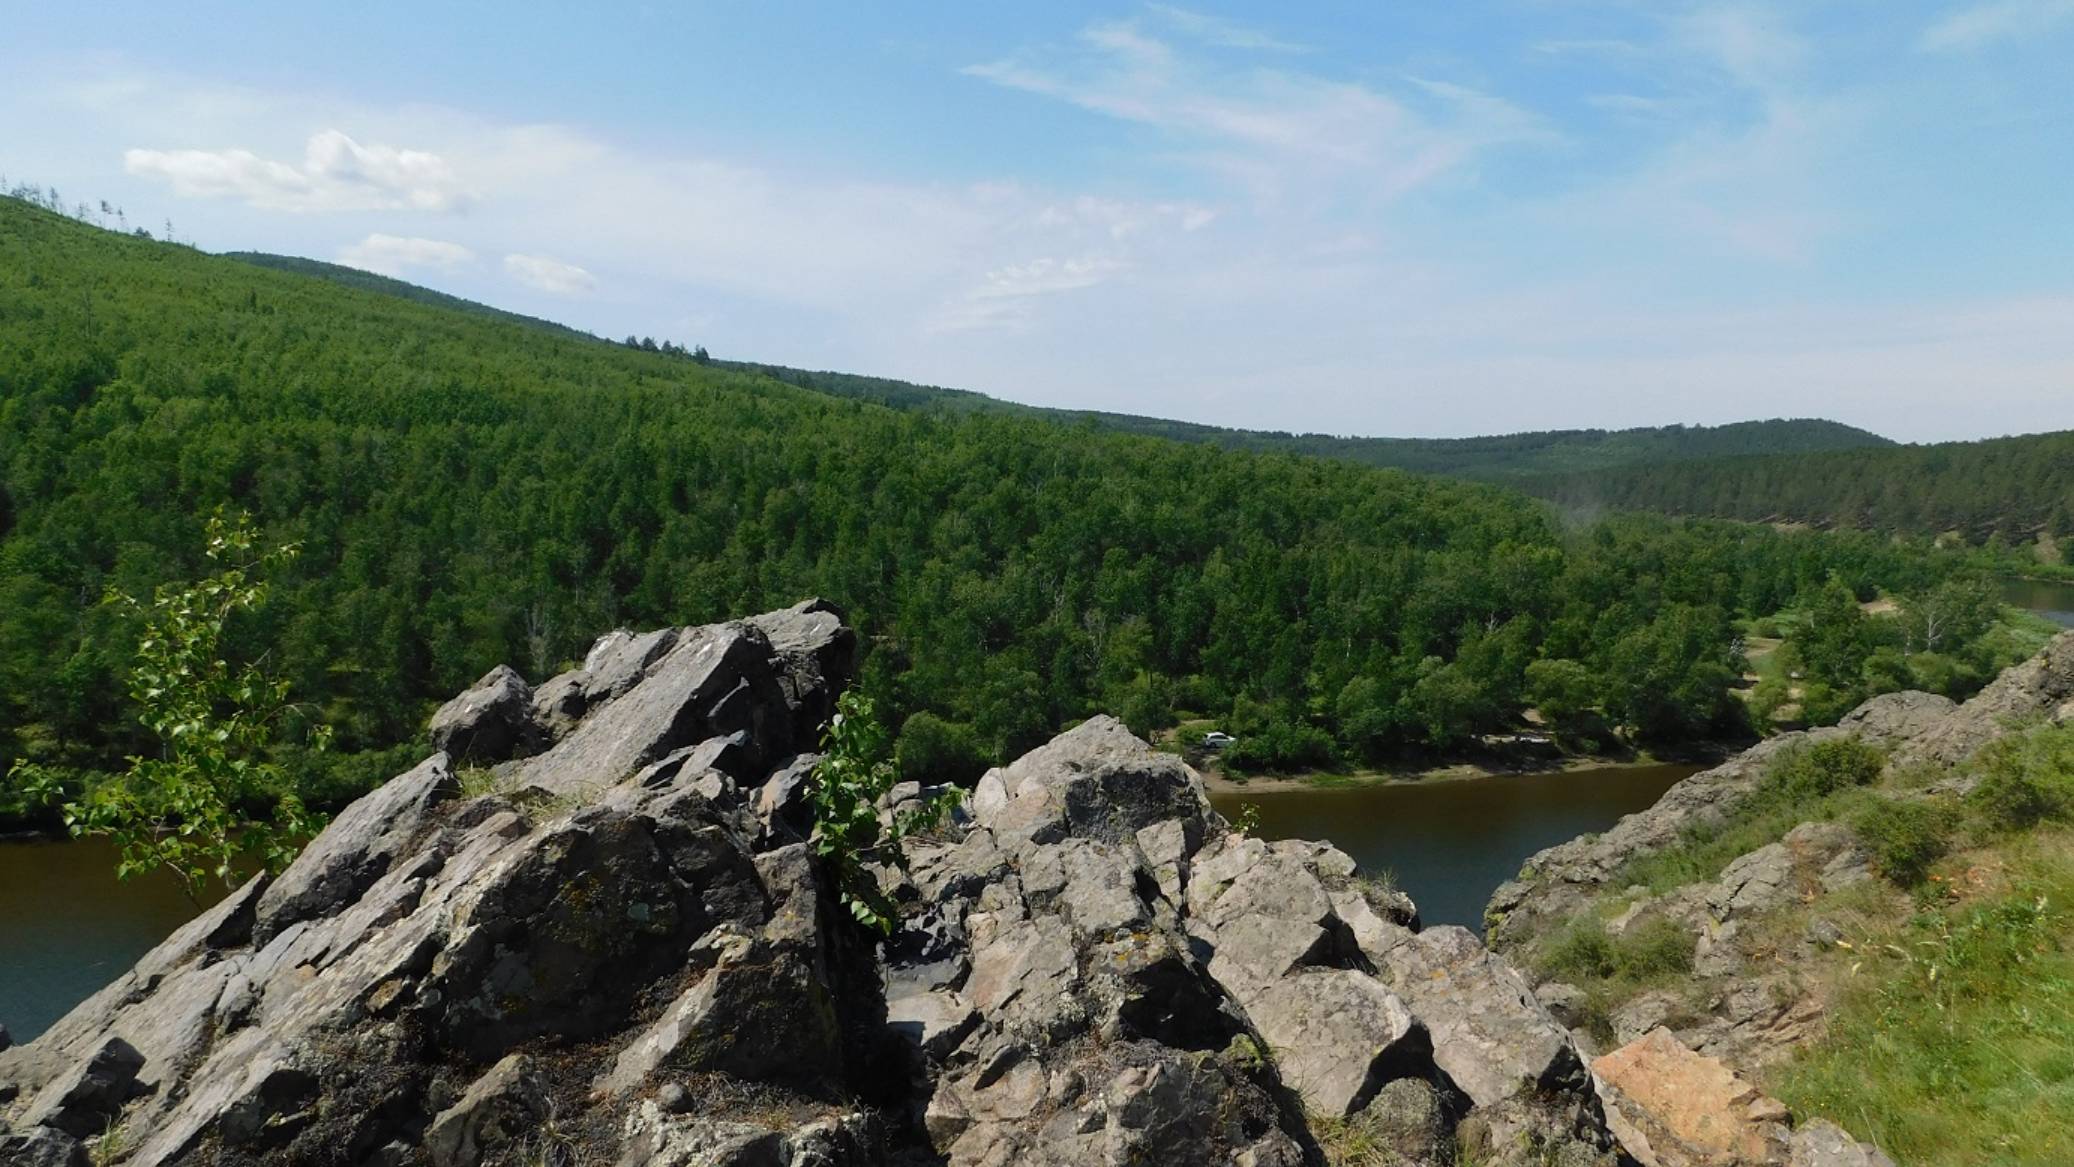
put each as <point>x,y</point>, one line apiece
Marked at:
<point>1753,925</point>
<point>1914,729</point>
<point>630,954</point>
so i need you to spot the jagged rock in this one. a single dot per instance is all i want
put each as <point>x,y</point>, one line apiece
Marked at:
<point>42,1147</point>
<point>1822,1143</point>
<point>359,848</point>
<point>1914,728</point>
<point>6,1039</point>
<point>654,1137</point>
<point>2039,686</point>
<point>819,655</point>
<point>1754,883</point>
<point>491,722</point>
<point>1564,1002</point>
<point>1338,1036</point>
<point>1716,953</point>
<point>81,1102</point>
<point>713,682</point>
<point>1643,1013</point>
<point>499,1111</point>
<point>1671,1107</point>
<point>1490,1036</point>
<point>1089,966</point>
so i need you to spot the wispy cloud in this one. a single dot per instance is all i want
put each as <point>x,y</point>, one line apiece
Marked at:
<point>550,275</point>
<point>392,255</point>
<point>1260,121</point>
<point>337,174</point>
<point>1217,30</point>
<point>1982,25</point>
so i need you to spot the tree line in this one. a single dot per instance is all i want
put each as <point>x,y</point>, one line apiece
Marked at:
<point>468,490</point>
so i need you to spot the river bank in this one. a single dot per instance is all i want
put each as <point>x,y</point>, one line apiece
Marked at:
<point>1462,769</point>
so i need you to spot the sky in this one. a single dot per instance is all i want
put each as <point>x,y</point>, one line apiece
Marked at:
<point>1406,218</point>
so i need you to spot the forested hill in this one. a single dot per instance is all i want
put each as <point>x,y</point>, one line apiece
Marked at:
<point>354,277</point>
<point>2015,488</point>
<point>1495,458</point>
<point>1500,457</point>
<point>470,490</point>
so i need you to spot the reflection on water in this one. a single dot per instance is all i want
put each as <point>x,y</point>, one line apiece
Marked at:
<point>1451,843</point>
<point>68,927</point>
<point>2054,601</point>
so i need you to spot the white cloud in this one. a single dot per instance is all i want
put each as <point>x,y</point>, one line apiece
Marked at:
<point>1274,129</point>
<point>391,255</point>
<point>1981,25</point>
<point>550,275</point>
<point>1217,30</point>
<point>1003,296</point>
<point>337,174</point>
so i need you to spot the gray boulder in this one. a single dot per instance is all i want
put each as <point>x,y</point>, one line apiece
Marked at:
<point>491,722</point>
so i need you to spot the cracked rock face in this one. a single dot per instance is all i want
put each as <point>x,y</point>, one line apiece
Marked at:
<point>633,956</point>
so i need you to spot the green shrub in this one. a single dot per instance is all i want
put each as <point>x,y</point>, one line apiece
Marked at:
<point>1657,948</point>
<point>1808,772</point>
<point>1905,837</point>
<point>1582,951</point>
<point>934,751</point>
<point>1646,952</point>
<point>1280,747</point>
<point>2025,779</point>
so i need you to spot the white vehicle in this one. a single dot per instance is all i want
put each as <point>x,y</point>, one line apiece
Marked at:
<point>1217,739</point>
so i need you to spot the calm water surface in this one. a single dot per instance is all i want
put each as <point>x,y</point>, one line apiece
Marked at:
<point>68,927</point>
<point>2054,601</point>
<point>1451,843</point>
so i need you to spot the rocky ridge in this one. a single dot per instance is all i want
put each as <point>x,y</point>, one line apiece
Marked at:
<point>1677,1089</point>
<point>628,953</point>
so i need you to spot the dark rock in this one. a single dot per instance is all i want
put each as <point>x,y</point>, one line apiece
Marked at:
<point>495,1116</point>
<point>6,1038</point>
<point>355,850</point>
<point>490,722</point>
<point>713,682</point>
<point>42,1147</point>
<point>82,1102</point>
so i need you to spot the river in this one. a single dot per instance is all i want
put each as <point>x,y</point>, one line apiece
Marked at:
<point>1450,843</point>
<point>67,927</point>
<point>2054,601</point>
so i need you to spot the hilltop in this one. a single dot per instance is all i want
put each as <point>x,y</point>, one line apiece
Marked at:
<point>1495,458</point>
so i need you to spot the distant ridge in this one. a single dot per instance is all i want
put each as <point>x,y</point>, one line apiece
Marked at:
<point>1499,458</point>
<point>368,281</point>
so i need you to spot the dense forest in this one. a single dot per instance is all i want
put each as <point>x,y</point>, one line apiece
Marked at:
<point>1494,458</point>
<point>2011,488</point>
<point>1500,457</point>
<point>470,490</point>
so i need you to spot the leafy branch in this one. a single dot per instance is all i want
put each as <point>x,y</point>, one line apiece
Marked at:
<point>186,809</point>
<point>856,771</point>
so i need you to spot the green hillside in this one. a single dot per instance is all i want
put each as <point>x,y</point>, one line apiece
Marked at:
<point>1494,458</point>
<point>2015,487</point>
<point>1499,457</point>
<point>471,489</point>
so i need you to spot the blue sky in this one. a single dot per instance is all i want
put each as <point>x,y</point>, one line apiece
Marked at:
<point>1376,218</point>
